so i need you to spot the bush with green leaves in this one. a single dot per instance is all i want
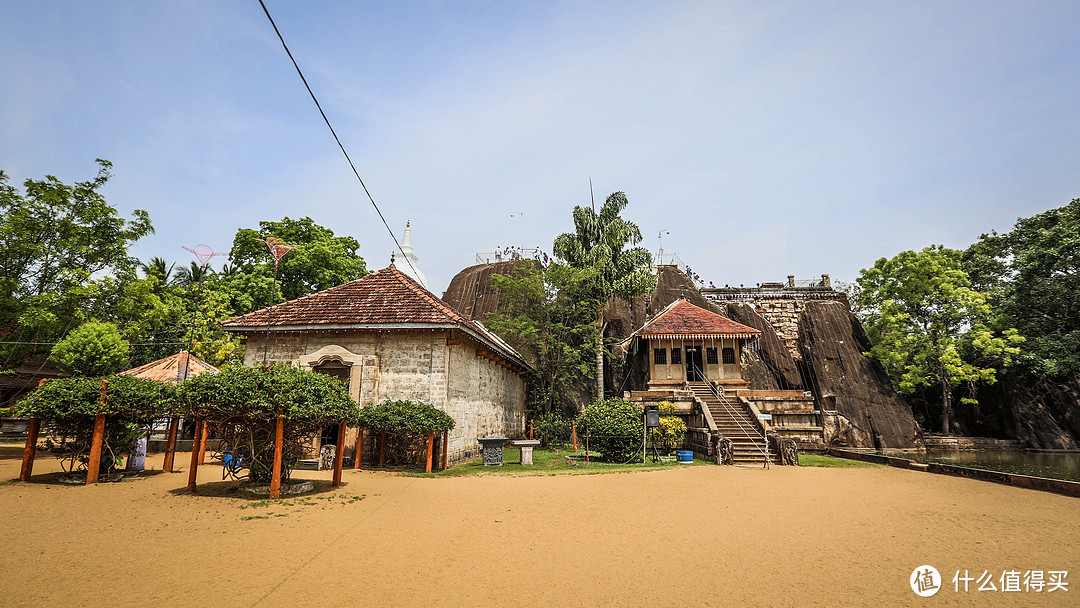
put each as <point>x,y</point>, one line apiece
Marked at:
<point>669,435</point>
<point>404,417</point>
<point>92,349</point>
<point>244,403</point>
<point>552,428</point>
<point>69,407</point>
<point>406,425</point>
<point>614,427</point>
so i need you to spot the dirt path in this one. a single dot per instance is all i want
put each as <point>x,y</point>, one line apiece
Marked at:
<point>701,536</point>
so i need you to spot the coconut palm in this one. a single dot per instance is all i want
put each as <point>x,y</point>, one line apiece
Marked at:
<point>158,267</point>
<point>605,243</point>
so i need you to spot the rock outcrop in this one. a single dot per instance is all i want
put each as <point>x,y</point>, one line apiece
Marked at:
<point>1040,414</point>
<point>472,292</point>
<point>770,366</point>
<point>859,406</point>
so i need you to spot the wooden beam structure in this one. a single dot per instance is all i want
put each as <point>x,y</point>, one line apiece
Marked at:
<point>359,454</point>
<point>430,447</point>
<point>202,443</point>
<point>170,446</point>
<point>193,470</point>
<point>339,454</point>
<point>445,437</point>
<point>30,450</point>
<point>93,468</point>
<point>275,474</point>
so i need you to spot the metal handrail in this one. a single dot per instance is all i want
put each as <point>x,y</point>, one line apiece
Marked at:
<point>731,410</point>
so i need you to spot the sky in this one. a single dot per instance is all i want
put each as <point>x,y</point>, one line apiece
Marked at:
<point>764,138</point>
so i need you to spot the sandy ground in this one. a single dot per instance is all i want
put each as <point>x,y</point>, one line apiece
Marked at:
<point>698,536</point>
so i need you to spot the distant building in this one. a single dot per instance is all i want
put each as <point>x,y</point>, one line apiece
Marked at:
<point>410,265</point>
<point>389,338</point>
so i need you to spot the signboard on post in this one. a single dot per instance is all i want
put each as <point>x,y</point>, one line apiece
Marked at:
<point>765,417</point>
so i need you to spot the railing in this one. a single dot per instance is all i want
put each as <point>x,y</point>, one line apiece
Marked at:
<point>737,417</point>
<point>506,254</point>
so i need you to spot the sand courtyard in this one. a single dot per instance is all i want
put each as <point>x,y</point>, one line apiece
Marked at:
<point>695,536</point>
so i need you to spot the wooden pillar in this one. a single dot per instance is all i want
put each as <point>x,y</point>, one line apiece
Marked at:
<point>30,450</point>
<point>202,444</point>
<point>430,448</point>
<point>573,433</point>
<point>445,442</point>
<point>275,475</point>
<point>193,470</point>
<point>170,446</point>
<point>94,467</point>
<point>339,454</point>
<point>359,448</point>
<point>382,448</point>
<point>531,429</point>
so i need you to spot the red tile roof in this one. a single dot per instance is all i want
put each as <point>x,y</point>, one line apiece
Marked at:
<point>683,319</point>
<point>384,297</point>
<point>170,371</point>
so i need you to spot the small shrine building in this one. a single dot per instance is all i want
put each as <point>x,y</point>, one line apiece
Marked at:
<point>685,343</point>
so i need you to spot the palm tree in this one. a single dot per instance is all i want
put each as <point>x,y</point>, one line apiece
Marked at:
<point>186,276</point>
<point>158,267</point>
<point>605,243</point>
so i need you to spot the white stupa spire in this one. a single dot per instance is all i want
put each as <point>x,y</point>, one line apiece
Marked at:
<point>410,266</point>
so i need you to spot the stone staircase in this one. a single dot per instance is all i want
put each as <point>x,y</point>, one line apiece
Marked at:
<point>735,423</point>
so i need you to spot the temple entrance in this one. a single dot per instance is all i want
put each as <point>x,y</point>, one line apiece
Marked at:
<point>694,367</point>
<point>335,369</point>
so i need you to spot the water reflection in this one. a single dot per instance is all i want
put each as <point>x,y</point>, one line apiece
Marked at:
<point>1038,464</point>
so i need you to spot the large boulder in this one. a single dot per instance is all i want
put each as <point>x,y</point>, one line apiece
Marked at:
<point>1041,414</point>
<point>869,413</point>
<point>472,292</point>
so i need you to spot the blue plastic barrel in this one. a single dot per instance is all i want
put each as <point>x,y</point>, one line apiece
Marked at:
<point>684,456</point>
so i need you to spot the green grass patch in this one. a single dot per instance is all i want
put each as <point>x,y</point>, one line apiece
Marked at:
<point>820,460</point>
<point>553,461</point>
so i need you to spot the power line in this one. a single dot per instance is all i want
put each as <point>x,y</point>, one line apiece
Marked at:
<point>334,133</point>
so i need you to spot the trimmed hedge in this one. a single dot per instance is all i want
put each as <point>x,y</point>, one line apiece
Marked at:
<point>404,417</point>
<point>615,428</point>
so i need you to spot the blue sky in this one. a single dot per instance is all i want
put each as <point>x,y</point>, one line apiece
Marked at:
<point>769,138</point>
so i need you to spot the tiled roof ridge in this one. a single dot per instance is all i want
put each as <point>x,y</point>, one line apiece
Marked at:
<point>671,309</point>
<point>431,298</point>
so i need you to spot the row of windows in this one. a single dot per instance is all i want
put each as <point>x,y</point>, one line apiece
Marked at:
<point>660,356</point>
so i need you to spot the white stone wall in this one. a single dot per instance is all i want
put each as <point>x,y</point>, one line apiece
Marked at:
<point>483,397</point>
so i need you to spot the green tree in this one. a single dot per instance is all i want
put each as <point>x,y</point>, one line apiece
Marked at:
<point>604,243</point>
<point>926,323</point>
<point>92,349</point>
<point>549,315</point>
<point>319,261</point>
<point>54,239</point>
<point>1032,277</point>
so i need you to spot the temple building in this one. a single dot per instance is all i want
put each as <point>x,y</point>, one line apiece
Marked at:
<point>684,343</point>
<point>387,337</point>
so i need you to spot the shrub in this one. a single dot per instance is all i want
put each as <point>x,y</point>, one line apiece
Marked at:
<point>406,424</point>
<point>404,417</point>
<point>672,429</point>
<point>92,349</point>
<point>551,428</point>
<point>70,406</point>
<point>614,427</point>
<point>245,402</point>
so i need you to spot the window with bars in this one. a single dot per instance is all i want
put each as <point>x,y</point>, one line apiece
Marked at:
<point>660,356</point>
<point>729,356</point>
<point>710,356</point>
<point>676,356</point>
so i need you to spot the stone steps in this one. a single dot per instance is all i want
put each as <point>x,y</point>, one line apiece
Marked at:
<point>735,423</point>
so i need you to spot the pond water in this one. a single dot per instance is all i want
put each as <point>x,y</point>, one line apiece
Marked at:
<point>1055,465</point>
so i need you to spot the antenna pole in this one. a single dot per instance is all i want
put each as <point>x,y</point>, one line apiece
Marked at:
<point>591,197</point>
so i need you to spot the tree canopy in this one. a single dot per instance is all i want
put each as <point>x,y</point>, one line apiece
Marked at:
<point>605,244</point>
<point>92,349</point>
<point>319,261</point>
<point>549,315</point>
<point>927,324</point>
<point>1032,277</point>
<point>55,239</point>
